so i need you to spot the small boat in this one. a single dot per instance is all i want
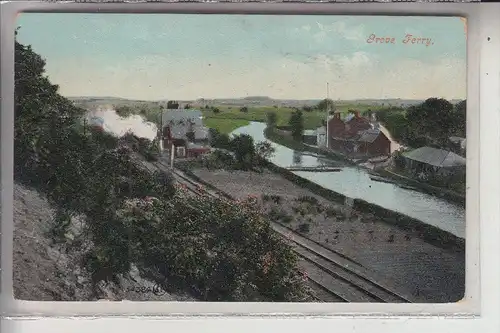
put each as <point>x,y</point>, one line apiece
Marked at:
<point>314,169</point>
<point>382,180</point>
<point>406,187</point>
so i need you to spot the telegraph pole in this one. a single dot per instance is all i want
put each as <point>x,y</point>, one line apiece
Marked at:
<point>327,113</point>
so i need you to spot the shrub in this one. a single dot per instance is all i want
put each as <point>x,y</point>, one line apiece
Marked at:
<point>213,245</point>
<point>304,227</point>
<point>219,250</point>
<point>308,199</point>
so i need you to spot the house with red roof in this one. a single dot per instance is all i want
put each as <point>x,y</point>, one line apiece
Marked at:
<point>357,135</point>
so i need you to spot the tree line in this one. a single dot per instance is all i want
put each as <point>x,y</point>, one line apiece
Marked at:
<point>430,123</point>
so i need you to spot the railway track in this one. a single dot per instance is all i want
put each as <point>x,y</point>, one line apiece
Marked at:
<point>332,276</point>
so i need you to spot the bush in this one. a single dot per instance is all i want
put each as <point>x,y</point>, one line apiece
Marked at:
<point>304,227</point>
<point>219,159</point>
<point>221,250</point>
<point>308,199</point>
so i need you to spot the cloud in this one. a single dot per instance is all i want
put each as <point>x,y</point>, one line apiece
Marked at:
<point>341,29</point>
<point>345,65</point>
<point>354,76</point>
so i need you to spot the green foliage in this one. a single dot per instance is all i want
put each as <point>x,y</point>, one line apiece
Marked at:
<point>225,125</point>
<point>326,104</point>
<point>304,227</point>
<point>244,149</point>
<point>296,123</point>
<point>264,151</point>
<point>399,161</point>
<point>217,249</point>
<point>244,109</point>
<point>247,153</point>
<point>172,105</point>
<point>272,119</point>
<point>124,111</point>
<point>219,140</point>
<point>430,123</point>
<point>221,250</point>
<point>219,159</point>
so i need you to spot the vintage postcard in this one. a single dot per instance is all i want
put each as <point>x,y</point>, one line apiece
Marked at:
<point>240,158</point>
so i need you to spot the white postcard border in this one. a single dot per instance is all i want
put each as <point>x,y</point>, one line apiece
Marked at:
<point>482,182</point>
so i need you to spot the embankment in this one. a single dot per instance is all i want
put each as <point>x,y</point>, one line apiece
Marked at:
<point>426,188</point>
<point>280,136</point>
<point>428,233</point>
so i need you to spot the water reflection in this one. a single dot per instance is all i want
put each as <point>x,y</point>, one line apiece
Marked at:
<point>356,183</point>
<point>297,158</point>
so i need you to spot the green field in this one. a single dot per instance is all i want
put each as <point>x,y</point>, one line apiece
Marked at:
<point>230,117</point>
<point>312,119</point>
<point>225,125</point>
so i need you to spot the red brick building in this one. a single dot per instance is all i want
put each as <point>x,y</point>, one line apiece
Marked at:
<point>356,135</point>
<point>374,142</point>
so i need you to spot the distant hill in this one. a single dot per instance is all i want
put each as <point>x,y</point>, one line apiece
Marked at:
<point>250,101</point>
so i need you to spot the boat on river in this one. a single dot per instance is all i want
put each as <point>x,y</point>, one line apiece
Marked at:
<point>314,168</point>
<point>382,180</point>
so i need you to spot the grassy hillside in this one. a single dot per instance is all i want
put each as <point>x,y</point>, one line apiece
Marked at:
<point>121,215</point>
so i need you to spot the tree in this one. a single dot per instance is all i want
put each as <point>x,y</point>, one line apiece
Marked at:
<point>244,109</point>
<point>124,111</point>
<point>216,110</point>
<point>296,123</point>
<point>307,108</point>
<point>244,150</point>
<point>272,119</point>
<point>460,119</point>
<point>430,122</point>
<point>219,140</point>
<point>172,105</point>
<point>187,106</point>
<point>221,250</point>
<point>326,104</point>
<point>264,151</point>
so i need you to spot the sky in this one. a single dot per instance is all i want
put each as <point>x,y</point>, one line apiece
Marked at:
<point>185,57</point>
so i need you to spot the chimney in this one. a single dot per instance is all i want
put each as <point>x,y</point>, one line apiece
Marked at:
<point>336,115</point>
<point>356,113</point>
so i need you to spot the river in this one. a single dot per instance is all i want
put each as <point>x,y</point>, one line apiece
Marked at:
<point>355,182</point>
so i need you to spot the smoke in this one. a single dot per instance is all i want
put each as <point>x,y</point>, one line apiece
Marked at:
<point>111,122</point>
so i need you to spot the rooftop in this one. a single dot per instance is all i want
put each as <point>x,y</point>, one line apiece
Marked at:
<point>310,132</point>
<point>436,157</point>
<point>369,135</point>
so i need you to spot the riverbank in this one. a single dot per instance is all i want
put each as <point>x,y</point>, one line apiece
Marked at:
<point>432,273</point>
<point>429,233</point>
<point>275,136</point>
<point>440,192</point>
<point>449,195</point>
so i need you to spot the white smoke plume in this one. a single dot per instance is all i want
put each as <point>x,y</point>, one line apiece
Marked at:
<point>114,124</point>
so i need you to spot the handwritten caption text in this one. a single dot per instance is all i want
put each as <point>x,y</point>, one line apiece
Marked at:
<point>409,39</point>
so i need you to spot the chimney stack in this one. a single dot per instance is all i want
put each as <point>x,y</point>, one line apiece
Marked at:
<point>336,115</point>
<point>356,113</point>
